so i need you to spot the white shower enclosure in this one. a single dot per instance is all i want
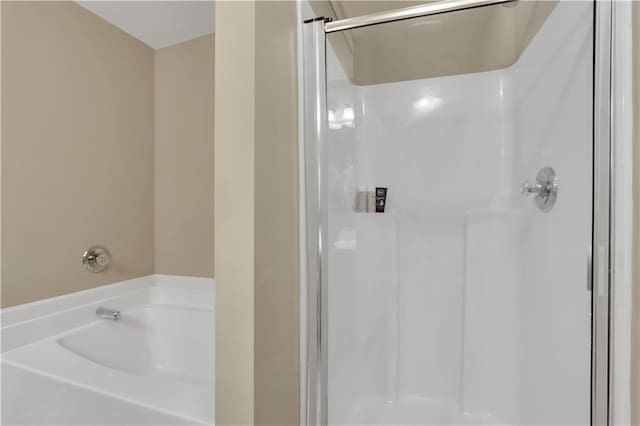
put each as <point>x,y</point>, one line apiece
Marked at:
<point>468,300</point>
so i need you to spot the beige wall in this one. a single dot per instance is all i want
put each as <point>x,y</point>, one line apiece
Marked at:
<point>1,172</point>
<point>276,216</point>
<point>635,326</point>
<point>79,157</point>
<point>184,173</point>
<point>257,370</point>
<point>234,211</point>
<point>476,40</point>
<point>77,150</point>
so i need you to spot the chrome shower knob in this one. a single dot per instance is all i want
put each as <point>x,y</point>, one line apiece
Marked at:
<point>531,189</point>
<point>544,189</point>
<point>96,259</point>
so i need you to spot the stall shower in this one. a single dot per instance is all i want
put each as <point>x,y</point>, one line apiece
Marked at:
<point>467,300</point>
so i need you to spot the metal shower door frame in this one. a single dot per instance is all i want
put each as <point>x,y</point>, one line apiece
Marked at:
<point>314,396</point>
<point>600,262</point>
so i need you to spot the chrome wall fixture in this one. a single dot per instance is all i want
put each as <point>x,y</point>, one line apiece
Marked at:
<point>108,314</point>
<point>544,189</point>
<point>96,259</point>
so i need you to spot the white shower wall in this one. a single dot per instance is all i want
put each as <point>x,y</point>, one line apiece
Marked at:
<point>553,100</point>
<point>463,297</point>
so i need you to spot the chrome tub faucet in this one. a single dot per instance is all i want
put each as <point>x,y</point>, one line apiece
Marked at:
<point>106,313</point>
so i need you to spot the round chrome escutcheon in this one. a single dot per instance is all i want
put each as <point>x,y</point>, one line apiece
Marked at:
<point>96,259</point>
<point>548,194</point>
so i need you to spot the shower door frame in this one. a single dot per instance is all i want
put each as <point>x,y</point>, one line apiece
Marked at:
<point>314,223</point>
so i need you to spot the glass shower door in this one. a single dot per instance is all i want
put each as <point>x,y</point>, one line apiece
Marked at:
<point>456,197</point>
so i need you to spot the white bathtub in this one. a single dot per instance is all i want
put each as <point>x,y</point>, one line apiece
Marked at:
<point>157,359</point>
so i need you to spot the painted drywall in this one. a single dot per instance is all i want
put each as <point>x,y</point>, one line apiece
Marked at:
<point>276,216</point>
<point>481,39</point>
<point>256,205</point>
<point>635,325</point>
<point>234,212</point>
<point>77,150</point>
<point>1,171</point>
<point>184,158</point>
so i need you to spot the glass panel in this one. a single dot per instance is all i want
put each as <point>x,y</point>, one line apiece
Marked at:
<point>465,301</point>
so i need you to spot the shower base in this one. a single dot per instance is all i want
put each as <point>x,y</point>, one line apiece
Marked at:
<point>412,410</point>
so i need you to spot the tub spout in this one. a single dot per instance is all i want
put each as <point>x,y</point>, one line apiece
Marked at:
<point>106,313</point>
